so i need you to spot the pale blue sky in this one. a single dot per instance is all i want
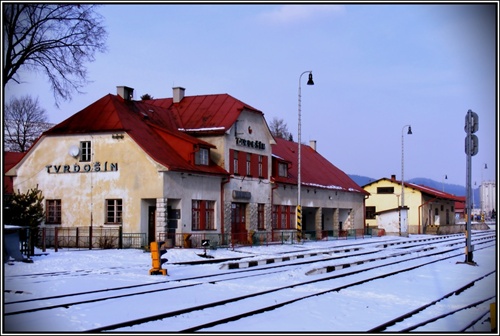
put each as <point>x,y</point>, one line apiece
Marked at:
<point>376,68</point>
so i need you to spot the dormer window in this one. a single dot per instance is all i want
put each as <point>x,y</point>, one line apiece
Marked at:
<point>201,156</point>
<point>282,169</point>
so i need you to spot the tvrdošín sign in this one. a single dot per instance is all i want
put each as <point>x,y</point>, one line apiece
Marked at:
<point>82,168</point>
<point>250,143</point>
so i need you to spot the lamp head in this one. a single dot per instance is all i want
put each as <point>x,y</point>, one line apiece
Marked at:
<point>409,130</point>
<point>310,80</point>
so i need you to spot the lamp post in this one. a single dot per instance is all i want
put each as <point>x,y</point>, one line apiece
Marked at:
<point>482,194</point>
<point>403,213</point>
<point>299,182</point>
<point>444,178</point>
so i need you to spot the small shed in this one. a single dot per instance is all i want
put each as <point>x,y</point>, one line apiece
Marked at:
<point>389,220</point>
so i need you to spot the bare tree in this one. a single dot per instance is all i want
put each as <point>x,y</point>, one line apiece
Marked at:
<point>279,129</point>
<point>56,39</point>
<point>24,122</point>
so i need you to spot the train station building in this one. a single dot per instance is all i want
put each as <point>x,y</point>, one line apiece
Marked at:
<point>184,166</point>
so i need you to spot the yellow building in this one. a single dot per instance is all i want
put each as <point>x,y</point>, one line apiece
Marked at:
<point>427,208</point>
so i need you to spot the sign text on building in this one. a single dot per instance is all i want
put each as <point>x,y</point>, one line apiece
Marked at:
<point>250,143</point>
<point>86,168</point>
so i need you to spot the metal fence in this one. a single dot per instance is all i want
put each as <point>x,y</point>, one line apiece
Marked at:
<point>256,238</point>
<point>88,237</point>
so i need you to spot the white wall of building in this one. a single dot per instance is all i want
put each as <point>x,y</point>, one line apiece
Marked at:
<point>487,196</point>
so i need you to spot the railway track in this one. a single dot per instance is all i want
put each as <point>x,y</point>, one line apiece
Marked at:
<point>359,261</point>
<point>228,310</point>
<point>413,320</point>
<point>280,264</point>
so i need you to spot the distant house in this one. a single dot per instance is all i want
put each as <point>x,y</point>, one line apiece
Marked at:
<point>185,167</point>
<point>427,207</point>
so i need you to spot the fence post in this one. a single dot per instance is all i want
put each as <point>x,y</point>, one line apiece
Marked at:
<point>56,231</point>
<point>77,237</point>
<point>120,237</point>
<point>43,239</point>
<point>90,237</point>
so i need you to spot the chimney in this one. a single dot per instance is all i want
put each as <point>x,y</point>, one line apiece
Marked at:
<point>393,177</point>
<point>127,93</point>
<point>178,94</point>
<point>312,144</point>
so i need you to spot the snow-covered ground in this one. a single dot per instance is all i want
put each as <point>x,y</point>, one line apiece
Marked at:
<point>352,310</point>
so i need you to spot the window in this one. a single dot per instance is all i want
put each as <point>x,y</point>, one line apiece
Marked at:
<point>370,212</point>
<point>85,151</point>
<point>249,164</point>
<point>201,157</point>
<point>260,217</point>
<point>235,163</point>
<point>53,211</point>
<point>114,210</point>
<point>282,169</point>
<point>203,215</point>
<point>261,170</point>
<point>385,190</point>
<point>283,217</point>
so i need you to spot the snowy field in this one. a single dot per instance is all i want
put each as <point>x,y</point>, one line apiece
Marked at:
<point>350,310</point>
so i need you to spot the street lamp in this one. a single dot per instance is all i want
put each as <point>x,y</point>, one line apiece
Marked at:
<point>299,182</point>
<point>482,193</point>
<point>403,213</point>
<point>444,178</point>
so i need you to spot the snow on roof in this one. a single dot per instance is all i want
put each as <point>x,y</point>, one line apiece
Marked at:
<point>203,129</point>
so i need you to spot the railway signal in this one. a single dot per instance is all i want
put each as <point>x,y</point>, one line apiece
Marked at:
<point>471,149</point>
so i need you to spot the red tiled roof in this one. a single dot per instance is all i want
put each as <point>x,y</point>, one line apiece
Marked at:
<point>207,114</point>
<point>10,159</point>
<point>148,125</point>
<point>316,171</point>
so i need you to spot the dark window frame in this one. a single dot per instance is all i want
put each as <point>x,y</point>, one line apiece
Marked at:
<point>282,169</point>
<point>202,215</point>
<point>385,190</point>
<point>85,151</point>
<point>370,212</point>
<point>283,217</point>
<point>53,213</point>
<point>114,211</point>
<point>202,156</point>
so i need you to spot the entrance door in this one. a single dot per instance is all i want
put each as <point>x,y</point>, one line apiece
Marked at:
<point>151,224</point>
<point>238,227</point>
